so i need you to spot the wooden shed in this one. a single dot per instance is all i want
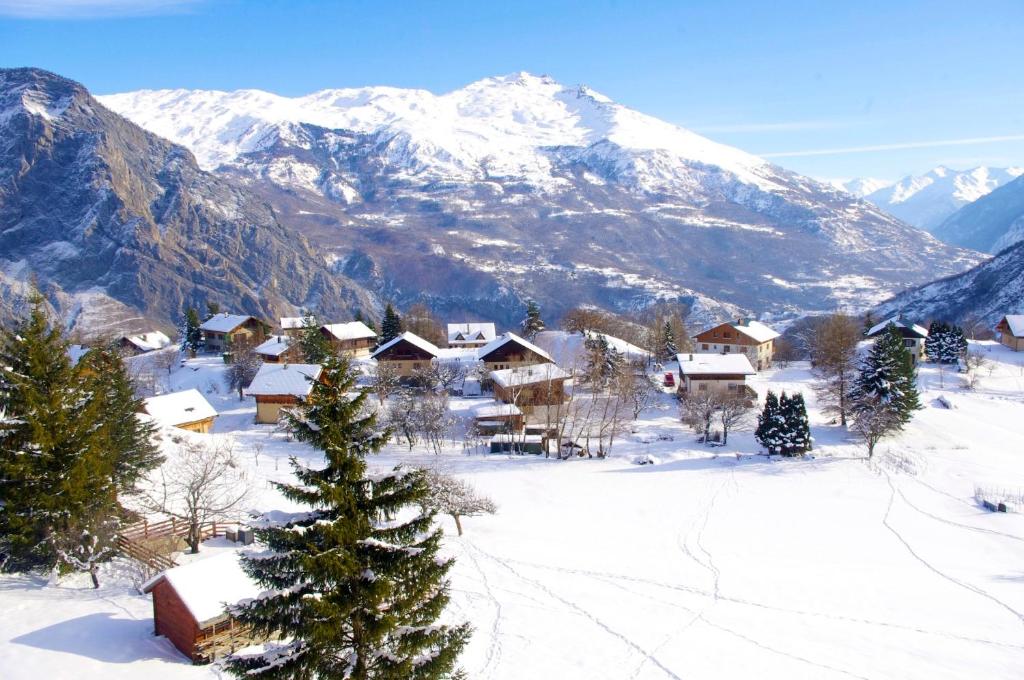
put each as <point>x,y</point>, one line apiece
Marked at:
<point>189,606</point>
<point>277,386</point>
<point>527,386</point>
<point>187,410</point>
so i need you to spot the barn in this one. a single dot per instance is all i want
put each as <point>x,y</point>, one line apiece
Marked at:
<point>189,606</point>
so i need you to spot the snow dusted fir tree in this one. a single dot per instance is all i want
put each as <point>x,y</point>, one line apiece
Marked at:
<point>191,336</point>
<point>357,585</point>
<point>314,345</point>
<point>884,395</point>
<point>946,343</point>
<point>669,347</point>
<point>796,426</point>
<point>532,324</point>
<point>391,325</point>
<point>770,423</point>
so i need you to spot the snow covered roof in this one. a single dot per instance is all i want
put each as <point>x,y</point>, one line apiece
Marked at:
<point>457,354</point>
<point>284,379</point>
<point>899,323</point>
<point>275,346</point>
<point>411,338</point>
<point>1016,324</point>
<point>527,375</point>
<point>517,439</point>
<point>714,364</point>
<point>289,323</point>
<point>147,342</point>
<point>207,585</point>
<point>178,408</point>
<point>353,330</point>
<point>224,322</point>
<point>497,410</point>
<point>470,332</point>
<point>755,330</point>
<point>511,337</point>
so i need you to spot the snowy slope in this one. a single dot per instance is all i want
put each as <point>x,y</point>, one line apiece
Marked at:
<point>926,200</point>
<point>991,223</point>
<point>496,127</point>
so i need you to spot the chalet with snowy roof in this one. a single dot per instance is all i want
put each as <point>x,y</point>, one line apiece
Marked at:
<point>912,334</point>
<point>511,351</point>
<point>722,373</point>
<point>743,336</point>
<point>470,334</point>
<point>279,349</point>
<point>292,325</point>
<point>407,353</point>
<point>187,410</point>
<point>133,345</point>
<point>278,386</point>
<point>498,418</point>
<point>529,386</point>
<point>353,339</point>
<point>1011,331</point>
<point>220,331</point>
<point>189,606</point>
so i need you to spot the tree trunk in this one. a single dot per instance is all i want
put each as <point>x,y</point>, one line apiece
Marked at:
<point>95,578</point>
<point>458,523</point>
<point>193,537</point>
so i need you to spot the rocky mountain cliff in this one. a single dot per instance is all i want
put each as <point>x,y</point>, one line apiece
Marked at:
<point>121,228</point>
<point>990,224</point>
<point>986,292</point>
<point>518,186</point>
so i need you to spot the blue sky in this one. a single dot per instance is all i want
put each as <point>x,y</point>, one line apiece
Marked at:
<point>831,89</point>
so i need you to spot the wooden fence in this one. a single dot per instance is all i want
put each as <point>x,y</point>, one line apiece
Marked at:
<point>133,540</point>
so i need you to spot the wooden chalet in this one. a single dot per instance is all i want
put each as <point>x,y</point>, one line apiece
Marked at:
<point>912,334</point>
<point>292,325</point>
<point>278,386</point>
<point>133,345</point>
<point>743,336</point>
<point>353,339</point>
<point>498,418</point>
<point>220,331</point>
<point>188,606</point>
<point>407,353</point>
<point>186,410</point>
<point>722,373</point>
<point>528,386</point>
<point>1011,331</point>
<point>470,334</point>
<point>279,349</point>
<point>511,351</point>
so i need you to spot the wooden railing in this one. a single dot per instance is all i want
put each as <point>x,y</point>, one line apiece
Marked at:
<point>222,637</point>
<point>131,540</point>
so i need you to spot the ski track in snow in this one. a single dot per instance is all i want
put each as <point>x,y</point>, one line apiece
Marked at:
<point>493,654</point>
<point>579,610</point>
<point>963,584</point>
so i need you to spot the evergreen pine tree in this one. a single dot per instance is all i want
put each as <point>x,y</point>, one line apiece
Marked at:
<point>355,587</point>
<point>795,425</point>
<point>532,324</point>
<point>391,326</point>
<point>55,470</point>
<point>191,336</point>
<point>129,440</point>
<point>769,432</point>
<point>884,394</point>
<point>315,346</point>
<point>936,339</point>
<point>212,309</point>
<point>669,348</point>
<point>956,345</point>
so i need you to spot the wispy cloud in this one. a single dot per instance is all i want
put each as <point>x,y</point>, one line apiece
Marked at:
<point>893,147</point>
<point>787,126</point>
<point>89,9</point>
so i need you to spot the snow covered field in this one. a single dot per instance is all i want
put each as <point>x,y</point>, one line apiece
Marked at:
<point>713,563</point>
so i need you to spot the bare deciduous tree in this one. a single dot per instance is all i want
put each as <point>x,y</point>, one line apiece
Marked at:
<point>85,544</point>
<point>974,361</point>
<point>245,364</point>
<point>166,359</point>
<point>636,389</point>
<point>203,483</point>
<point>733,413</point>
<point>386,380</point>
<point>452,496</point>
<point>833,348</point>
<point>698,409</point>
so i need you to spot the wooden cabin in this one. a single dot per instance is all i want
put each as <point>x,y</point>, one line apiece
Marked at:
<point>292,325</point>
<point>187,410</point>
<point>279,349</point>
<point>221,330</point>
<point>498,418</point>
<point>408,353</point>
<point>743,336</point>
<point>278,386</point>
<point>1011,331</point>
<point>528,386</point>
<point>511,351</point>
<point>912,334</point>
<point>133,345</point>
<point>353,339</point>
<point>470,334</point>
<point>721,373</point>
<point>188,606</point>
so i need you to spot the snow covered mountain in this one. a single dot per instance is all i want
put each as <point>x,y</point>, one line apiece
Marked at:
<point>121,229</point>
<point>991,223</point>
<point>860,187</point>
<point>986,292</point>
<point>926,200</point>
<point>518,186</point>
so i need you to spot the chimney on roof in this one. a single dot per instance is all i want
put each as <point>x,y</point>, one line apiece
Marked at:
<point>691,357</point>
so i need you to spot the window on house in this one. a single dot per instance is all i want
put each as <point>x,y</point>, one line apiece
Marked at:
<point>725,348</point>
<point>908,343</point>
<point>704,346</point>
<point>702,387</point>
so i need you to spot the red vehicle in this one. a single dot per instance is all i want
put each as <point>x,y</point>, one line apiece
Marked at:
<point>670,380</point>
